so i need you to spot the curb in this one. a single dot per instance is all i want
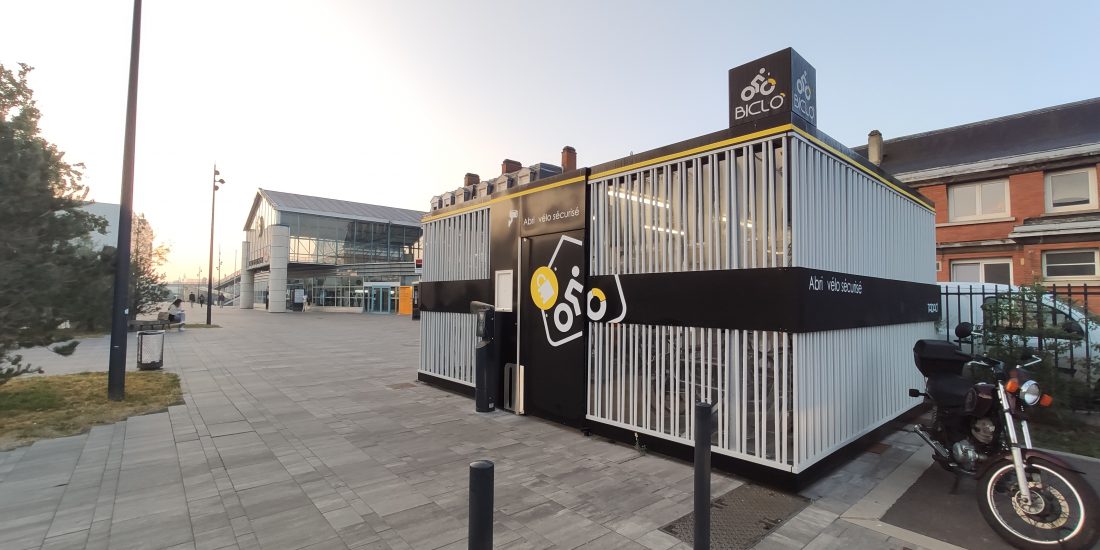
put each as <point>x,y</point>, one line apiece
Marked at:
<point>868,512</point>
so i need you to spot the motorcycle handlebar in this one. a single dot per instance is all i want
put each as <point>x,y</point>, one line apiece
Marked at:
<point>982,360</point>
<point>1035,360</point>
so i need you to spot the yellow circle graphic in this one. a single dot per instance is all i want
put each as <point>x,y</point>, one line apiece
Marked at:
<point>544,288</point>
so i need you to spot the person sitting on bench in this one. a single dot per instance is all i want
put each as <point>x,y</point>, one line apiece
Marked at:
<point>176,313</point>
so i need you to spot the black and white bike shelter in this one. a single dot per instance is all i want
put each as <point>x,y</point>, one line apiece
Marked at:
<point>764,267</point>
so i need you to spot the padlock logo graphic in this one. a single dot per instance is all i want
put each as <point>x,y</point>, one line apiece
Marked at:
<point>546,292</point>
<point>544,288</point>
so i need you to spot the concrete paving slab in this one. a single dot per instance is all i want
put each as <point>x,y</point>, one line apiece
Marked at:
<point>307,430</point>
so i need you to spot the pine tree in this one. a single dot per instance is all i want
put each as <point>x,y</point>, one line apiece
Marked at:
<point>41,227</point>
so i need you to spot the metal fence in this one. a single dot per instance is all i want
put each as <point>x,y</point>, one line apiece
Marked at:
<point>1057,321</point>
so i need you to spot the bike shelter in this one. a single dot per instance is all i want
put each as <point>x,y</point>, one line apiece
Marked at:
<point>764,268</point>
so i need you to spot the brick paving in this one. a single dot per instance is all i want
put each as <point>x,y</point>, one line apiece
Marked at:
<point>308,430</point>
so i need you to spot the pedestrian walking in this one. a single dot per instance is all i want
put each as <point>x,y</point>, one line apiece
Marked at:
<point>191,298</point>
<point>202,300</point>
<point>221,300</point>
<point>176,314</point>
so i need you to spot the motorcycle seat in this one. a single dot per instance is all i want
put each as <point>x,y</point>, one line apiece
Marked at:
<point>949,390</point>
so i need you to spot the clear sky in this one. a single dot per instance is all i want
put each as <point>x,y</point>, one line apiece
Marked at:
<point>392,102</point>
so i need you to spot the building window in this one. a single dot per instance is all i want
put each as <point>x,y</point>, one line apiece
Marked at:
<point>998,271</point>
<point>1069,264</point>
<point>975,201</point>
<point>1071,190</point>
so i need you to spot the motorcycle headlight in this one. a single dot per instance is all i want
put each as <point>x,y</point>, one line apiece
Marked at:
<point>1030,392</point>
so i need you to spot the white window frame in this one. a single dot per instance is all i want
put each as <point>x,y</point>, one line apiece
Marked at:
<point>951,217</point>
<point>1049,197</point>
<point>982,262</point>
<point>1096,268</point>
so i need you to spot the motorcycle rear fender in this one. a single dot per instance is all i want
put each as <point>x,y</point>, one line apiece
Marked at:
<point>1029,455</point>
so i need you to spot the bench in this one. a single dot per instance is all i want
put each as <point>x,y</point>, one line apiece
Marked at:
<point>160,323</point>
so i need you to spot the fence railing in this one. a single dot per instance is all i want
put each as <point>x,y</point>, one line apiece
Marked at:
<point>1058,321</point>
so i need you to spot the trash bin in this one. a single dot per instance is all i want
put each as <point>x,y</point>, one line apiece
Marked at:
<point>150,349</point>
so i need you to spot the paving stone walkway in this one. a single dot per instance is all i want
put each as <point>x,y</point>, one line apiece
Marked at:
<point>309,430</point>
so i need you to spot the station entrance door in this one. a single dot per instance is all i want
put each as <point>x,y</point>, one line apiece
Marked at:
<point>381,298</point>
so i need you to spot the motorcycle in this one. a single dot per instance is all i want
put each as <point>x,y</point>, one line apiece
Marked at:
<point>973,433</point>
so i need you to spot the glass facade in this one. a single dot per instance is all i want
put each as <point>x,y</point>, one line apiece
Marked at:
<point>325,240</point>
<point>334,241</point>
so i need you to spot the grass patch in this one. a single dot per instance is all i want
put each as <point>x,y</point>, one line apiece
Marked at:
<point>56,406</point>
<point>1082,439</point>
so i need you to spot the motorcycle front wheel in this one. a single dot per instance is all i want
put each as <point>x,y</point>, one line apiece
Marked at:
<point>1062,514</point>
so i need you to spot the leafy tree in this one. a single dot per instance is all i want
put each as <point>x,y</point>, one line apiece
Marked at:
<point>147,289</point>
<point>41,226</point>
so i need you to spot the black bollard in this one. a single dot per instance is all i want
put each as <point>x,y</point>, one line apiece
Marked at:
<point>704,426</point>
<point>481,505</point>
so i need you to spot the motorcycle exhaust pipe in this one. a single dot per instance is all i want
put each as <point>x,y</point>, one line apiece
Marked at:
<point>936,446</point>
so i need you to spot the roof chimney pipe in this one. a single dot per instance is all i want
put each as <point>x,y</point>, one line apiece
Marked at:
<point>471,180</point>
<point>874,147</point>
<point>568,159</point>
<point>508,166</point>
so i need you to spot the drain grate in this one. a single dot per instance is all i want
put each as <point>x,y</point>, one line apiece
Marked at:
<point>741,517</point>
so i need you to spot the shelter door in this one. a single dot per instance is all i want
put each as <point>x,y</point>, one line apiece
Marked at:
<point>553,326</point>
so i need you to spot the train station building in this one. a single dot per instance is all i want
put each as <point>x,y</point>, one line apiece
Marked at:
<point>329,255</point>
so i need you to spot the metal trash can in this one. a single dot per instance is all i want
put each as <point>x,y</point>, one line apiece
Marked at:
<point>150,349</point>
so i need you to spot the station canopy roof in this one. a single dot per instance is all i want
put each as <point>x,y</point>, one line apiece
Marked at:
<point>334,208</point>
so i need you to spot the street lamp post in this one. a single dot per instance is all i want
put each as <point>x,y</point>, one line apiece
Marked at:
<point>210,267</point>
<point>220,285</point>
<point>120,313</point>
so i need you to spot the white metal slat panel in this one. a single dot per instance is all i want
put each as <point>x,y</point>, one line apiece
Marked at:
<point>886,349</point>
<point>873,218</point>
<point>654,390</point>
<point>442,331</point>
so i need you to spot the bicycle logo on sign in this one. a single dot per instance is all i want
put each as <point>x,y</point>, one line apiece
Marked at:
<point>762,85</point>
<point>566,305</point>
<point>803,87</point>
<point>759,85</point>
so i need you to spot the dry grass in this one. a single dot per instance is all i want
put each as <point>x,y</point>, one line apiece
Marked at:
<point>42,407</point>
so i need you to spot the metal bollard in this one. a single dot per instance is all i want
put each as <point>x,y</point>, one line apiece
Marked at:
<point>481,505</point>
<point>705,425</point>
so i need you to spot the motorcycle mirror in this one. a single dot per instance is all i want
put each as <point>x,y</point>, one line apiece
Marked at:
<point>1073,327</point>
<point>964,330</point>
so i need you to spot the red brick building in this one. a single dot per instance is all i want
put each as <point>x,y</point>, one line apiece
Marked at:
<point>1016,197</point>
